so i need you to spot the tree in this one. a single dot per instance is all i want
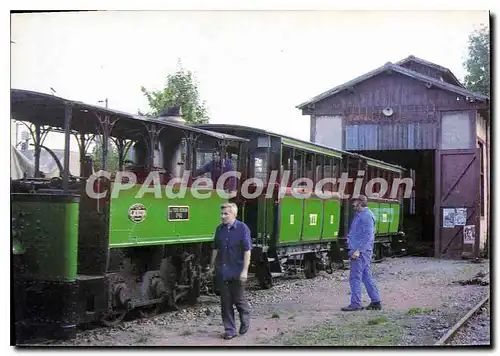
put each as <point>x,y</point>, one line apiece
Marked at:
<point>181,89</point>
<point>477,64</point>
<point>112,159</point>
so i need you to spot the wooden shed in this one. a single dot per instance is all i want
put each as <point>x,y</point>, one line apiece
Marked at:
<point>417,114</point>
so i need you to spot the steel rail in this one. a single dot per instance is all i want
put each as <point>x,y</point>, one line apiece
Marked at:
<point>446,337</point>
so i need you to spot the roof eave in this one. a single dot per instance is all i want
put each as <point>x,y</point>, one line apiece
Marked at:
<point>459,89</point>
<point>339,88</point>
<point>442,85</point>
<point>430,64</point>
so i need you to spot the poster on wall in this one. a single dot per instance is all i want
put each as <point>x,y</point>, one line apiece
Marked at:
<point>460,216</point>
<point>448,217</point>
<point>469,234</point>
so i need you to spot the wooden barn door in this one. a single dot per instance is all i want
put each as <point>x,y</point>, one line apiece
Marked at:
<point>457,203</point>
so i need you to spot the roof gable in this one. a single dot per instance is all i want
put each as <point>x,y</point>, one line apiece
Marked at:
<point>398,69</point>
<point>435,66</point>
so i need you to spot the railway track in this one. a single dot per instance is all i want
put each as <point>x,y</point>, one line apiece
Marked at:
<point>41,339</point>
<point>462,323</point>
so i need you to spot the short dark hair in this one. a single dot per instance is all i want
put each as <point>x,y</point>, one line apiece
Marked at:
<point>362,199</point>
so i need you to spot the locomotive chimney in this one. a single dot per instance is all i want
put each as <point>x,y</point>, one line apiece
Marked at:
<point>172,114</point>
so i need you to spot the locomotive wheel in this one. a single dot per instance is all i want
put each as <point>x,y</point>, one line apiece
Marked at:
<point>310,268</point>
<point>264,275</point>
<point>112,319</point>
<point>172,300</point>
<point>150,310</point>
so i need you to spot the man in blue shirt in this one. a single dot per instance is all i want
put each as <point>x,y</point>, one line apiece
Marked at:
<point>233,245</point>
<point>360,245</point>
<point>217,167</point>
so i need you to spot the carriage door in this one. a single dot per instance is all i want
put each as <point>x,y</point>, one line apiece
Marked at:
<point>457,189</point>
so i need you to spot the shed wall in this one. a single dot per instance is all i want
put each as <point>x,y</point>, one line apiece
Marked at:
<point>414,123</point>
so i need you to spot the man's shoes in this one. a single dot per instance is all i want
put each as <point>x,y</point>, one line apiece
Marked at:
<point>351,308</point>
<point>244,328</point>
<point>227,336</point>
<point>374,306</point>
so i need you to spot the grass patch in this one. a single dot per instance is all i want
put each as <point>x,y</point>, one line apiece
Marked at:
<point>415,311</point>
<point>187,332</point>
<point>466,270</point>
<point>378,331</point>
<point>379,320</point>
<point>275,316</point>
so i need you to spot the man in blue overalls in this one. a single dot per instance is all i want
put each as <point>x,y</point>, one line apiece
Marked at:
<point>233,244</point>
<point>360,245</point>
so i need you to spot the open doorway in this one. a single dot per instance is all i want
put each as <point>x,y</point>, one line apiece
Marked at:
<point>418,211</point>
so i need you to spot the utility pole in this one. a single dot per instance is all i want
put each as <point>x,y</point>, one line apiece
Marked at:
<point>105,102</point>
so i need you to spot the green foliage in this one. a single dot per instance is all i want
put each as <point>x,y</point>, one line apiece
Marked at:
<point>477,64</point>
<point>113,157</point>
<point>415,311</point>
<point>181,89</point>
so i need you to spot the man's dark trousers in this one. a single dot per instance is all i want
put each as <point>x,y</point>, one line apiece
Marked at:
<point>232,292</point>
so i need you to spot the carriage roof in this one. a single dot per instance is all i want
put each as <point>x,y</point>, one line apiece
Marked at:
<point>306,145</point>
<point>45,109</point>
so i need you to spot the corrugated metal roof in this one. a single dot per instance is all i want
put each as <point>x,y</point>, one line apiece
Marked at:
<point>26,97</point>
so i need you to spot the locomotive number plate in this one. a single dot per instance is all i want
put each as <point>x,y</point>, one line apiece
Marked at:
<point>178,213</point>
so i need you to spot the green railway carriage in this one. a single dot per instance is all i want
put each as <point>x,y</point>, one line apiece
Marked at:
<point>292,234</point>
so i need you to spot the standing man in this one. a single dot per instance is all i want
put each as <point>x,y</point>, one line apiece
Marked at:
<point>360,245</point>
<point>233,245</point>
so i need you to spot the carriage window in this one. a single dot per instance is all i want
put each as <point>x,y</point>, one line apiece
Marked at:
<point>203,157</point>
<point>298,166</point>
<point>234,158</point>
<point>320,162</point>
<point>286,163</point>
<point>390,180</point>
<point>260,166</point>
<point>328,173</point>
<point>380,174</point>
<point>336,168</point>
<point>369,174</point>
<point>309,170</point>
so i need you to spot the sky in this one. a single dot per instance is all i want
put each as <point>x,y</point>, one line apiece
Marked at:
<point>253,67</point>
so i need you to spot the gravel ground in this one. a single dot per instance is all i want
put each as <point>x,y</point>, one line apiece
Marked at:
<point>421,301</point>
<point>476,331</point>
